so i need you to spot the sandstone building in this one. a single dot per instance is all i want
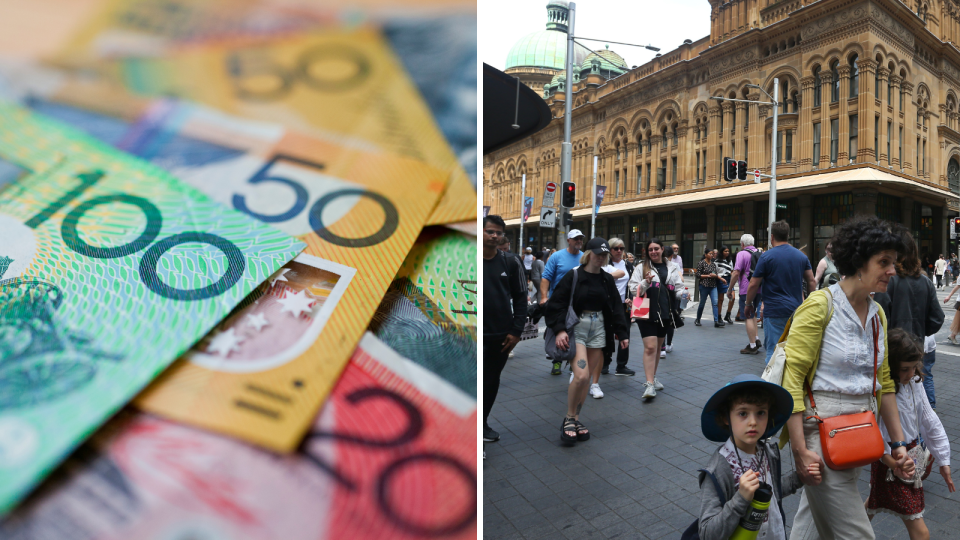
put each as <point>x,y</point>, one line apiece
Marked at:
<point>868,123</point>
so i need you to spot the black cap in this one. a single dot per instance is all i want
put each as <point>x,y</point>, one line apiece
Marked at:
<point>597,245</point>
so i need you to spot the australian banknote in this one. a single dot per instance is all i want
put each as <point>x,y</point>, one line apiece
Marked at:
<point>392,456</point>
<point>111,269</point>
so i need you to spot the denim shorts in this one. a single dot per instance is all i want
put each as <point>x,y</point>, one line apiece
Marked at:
<point>756,305</point>
<point>590,332</point>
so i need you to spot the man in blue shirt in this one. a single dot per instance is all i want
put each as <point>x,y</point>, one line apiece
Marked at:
<point>557,266</point>
<point>780,272</point>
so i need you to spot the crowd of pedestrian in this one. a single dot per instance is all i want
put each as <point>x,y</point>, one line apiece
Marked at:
<point>856,336</point>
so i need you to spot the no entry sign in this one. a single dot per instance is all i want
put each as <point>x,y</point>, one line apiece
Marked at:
<point>549,194</point>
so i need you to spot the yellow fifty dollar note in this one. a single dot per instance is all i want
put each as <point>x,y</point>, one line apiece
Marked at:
<point>343,83</point>
<point>264,371</point>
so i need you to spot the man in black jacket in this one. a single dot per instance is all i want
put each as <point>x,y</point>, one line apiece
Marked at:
<point>504,312</point>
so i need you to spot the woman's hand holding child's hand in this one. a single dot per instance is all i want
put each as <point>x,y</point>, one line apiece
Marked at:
<point>749,482</point>
<point>945,472</point>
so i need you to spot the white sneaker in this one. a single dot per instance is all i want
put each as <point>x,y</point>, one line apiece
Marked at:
<point>663,353</point>
<point>595,391</point>
<point>669,348</point>
<point>649,391</point>
<point>656,384</point>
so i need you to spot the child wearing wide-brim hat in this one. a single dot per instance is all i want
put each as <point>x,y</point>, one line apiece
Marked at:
<point>744,415</point>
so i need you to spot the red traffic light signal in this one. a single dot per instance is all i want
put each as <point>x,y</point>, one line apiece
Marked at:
<point>730,169</point>
<point>742,170</point>
<point>568,195</point>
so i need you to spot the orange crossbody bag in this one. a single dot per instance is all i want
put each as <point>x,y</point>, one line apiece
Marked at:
<point>850,440</point>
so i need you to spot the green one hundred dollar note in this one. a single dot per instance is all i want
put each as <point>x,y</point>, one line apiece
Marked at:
<point>429,314</point>
<point>110,268</point>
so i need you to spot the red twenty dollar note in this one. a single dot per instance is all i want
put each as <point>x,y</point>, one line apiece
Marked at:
<point>392,455</point>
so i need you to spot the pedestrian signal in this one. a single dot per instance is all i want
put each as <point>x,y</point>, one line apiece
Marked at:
<point>729,169</point>
<point>568,195</point>
<point>742,170</point>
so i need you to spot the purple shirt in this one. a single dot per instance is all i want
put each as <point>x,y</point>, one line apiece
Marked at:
<point>743,265</point>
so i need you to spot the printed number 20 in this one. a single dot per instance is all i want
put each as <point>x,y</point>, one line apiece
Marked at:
<point>391,216</point>
<point>150,260</point>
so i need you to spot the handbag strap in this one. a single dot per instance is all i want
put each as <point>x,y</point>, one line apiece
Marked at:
<point>573,289</point>
<point>875,323</point>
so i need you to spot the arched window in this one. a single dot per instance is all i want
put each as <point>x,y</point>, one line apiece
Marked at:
<point>795,101</point>
<point>816,86</point>
<point>953,175</point>
<point>784,97</point>
<point>854,77</point>
<point>835,88</point>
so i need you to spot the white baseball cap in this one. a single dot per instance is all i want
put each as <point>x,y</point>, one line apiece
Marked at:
<point>574,233</point>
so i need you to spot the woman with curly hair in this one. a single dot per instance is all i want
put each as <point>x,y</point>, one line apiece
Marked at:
<point>837,351</point>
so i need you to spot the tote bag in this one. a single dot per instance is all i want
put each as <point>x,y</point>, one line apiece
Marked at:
<point>550,337</point>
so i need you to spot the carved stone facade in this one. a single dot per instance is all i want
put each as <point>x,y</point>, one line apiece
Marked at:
<point>863,84</point>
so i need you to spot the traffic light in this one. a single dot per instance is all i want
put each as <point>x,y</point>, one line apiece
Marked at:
<point>568,195</point>
<point>567,221</point>
<point>730,169</point>
<point>742,170</point>
<point>955,225</point>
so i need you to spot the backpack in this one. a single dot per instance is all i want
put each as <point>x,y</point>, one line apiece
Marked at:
<point>754,257</point>
<point>693,531</point>
<point>830,275</point>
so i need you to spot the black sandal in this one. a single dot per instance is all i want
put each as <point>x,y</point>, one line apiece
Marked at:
<point>569,424</point>
<point>582,433</point>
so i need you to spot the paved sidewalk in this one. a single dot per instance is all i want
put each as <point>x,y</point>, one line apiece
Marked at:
<point>636,476</point>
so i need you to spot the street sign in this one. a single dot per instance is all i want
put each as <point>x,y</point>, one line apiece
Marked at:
<point>548,217</point>
<point>756,174</point>
<point>549,193</point>
<point>781,206</point>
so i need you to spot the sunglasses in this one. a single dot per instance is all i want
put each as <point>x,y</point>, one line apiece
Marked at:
<point>616,249</point>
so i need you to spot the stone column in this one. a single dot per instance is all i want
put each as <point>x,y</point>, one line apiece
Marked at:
<point>897,123</point>
<point>655,142</point>
<point>866,114</point>
<point>843,157</point>
<point>939,231</point>
<point>685,160</point>
<point>865,201</point>
<point>632,186</point>
<point>806,224</point>
<point>804,156</point>
<point>826,82</point>
<point>728,121</point>
<point>713,141</point>
<point>763,153</point>
<point>882,92</point>
<point>754,134</point>
<point>909,130</point>
<point>906,212</point>
<point>711,225</point>
<point>741,115</point>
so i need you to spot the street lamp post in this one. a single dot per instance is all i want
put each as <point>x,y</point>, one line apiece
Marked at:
<point>566,149</point>
<point>772,209</point>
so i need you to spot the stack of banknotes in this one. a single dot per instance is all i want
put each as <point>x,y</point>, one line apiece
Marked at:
<point>238,273</point>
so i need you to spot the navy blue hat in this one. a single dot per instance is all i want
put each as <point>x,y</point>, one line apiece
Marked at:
<point>718,433</point>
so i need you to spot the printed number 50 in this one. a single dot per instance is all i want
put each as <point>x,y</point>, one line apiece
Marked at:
<point>148,264</point>
<point>391,216</point>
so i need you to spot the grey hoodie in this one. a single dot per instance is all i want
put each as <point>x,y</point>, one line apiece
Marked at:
<point>717,522</point>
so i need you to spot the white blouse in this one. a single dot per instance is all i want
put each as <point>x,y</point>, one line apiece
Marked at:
<point>917,418</point>
<point>846,354</point>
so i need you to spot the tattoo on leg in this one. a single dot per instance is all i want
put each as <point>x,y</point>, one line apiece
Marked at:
<point>581,363</point>
<point>580,406</point>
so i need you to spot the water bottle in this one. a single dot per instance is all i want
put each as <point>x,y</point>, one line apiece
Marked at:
<point>684,298</point>
<point>750,524</point>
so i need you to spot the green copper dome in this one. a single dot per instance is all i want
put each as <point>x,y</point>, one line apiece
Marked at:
<point>608,60</point>
<point>547,48</point>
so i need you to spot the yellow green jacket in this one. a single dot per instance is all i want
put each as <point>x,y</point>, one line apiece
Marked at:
<point>803,350</point>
